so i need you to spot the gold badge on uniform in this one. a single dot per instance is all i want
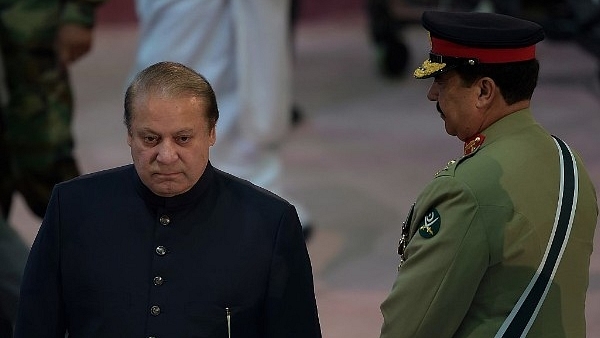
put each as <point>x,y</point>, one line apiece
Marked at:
<point>473,144</point>
<point>451,162</point>
<point>431,224</point>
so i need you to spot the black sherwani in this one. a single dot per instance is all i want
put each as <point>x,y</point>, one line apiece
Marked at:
<point>112,259</point>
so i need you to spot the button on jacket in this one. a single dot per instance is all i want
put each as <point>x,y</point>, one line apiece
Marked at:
<point>225,259</point>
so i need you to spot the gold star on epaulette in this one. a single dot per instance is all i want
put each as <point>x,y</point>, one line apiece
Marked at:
<point>451,162</point>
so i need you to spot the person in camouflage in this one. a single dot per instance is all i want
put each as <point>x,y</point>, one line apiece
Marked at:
<point>38,39</point>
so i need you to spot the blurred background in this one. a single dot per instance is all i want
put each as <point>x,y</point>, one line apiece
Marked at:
<point>366,140</point>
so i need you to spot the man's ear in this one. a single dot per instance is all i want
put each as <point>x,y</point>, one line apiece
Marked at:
<point>487,91</point>
<point>213,135</point>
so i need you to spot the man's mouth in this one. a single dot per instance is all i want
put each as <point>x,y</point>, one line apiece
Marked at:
<point>166,175</point>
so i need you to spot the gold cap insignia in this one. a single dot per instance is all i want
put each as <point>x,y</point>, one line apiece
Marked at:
<point>427,69</point>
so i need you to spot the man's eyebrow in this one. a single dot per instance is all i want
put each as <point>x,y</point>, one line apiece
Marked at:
<point>187,130</point>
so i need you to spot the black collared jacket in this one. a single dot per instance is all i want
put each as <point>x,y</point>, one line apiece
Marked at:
<point>111,259</point>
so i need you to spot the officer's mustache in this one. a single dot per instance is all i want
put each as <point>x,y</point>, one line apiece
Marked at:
<point>439,109</point>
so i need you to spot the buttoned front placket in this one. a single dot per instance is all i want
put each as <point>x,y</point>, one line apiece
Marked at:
<point>159,281</point>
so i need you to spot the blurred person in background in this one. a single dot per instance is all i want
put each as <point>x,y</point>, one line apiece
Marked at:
<point>13,255</point>
<point>38,40</point>
<point>244,50</point>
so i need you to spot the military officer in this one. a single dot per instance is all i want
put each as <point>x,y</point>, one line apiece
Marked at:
<point>498,244</point>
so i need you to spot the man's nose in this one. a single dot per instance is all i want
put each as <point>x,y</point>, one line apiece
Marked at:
<point>167,152</point>
<point>432,94</point>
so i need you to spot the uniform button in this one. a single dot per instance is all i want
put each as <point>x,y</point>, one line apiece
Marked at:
<point>158,280</point>
<point>164,220</point>
<point>155,310</point>
<point>161,250</point>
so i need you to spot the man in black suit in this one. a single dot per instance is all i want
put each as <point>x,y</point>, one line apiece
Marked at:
<point>169,246</point>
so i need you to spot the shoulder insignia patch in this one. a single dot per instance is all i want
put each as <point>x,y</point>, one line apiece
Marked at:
<point>431,224</point>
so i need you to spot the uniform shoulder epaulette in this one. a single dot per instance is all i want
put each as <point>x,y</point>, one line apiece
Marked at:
<point>448,169</point>
<point>471,147</point>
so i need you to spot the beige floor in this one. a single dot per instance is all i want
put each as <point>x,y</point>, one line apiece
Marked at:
<point>367,148</point>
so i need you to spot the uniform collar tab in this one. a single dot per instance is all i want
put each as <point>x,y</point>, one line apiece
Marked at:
<point>473,144</point>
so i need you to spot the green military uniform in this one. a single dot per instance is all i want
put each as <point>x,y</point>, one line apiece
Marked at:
<point>479,232</point>
<point>36,145</point>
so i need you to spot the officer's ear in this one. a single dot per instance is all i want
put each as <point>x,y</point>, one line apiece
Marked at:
<point>488,91</point>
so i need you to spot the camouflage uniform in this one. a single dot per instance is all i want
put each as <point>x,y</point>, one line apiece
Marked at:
<point>35,127</point>
<point>36,145</point>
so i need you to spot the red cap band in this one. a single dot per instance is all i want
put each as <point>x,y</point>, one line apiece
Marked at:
<point>483,55</point>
